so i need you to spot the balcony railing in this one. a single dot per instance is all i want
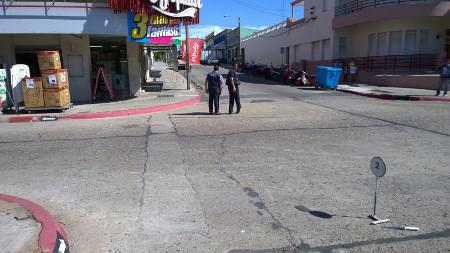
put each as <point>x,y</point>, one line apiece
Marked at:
<point>265,31</point>
<point>359,5</point>
<point>396,63</point>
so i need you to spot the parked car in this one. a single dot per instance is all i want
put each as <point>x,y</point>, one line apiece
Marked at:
<point>213,60</point>
<point>181,64</point>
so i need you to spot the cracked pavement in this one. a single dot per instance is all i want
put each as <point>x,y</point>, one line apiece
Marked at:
<point>290,173</point>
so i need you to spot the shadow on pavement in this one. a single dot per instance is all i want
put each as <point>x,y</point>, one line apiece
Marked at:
<point>191,114</point>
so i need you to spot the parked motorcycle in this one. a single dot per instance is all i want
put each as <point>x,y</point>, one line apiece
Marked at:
<point>302,78</point>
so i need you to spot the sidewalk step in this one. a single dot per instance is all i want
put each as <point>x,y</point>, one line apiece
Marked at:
<point>153,87</point>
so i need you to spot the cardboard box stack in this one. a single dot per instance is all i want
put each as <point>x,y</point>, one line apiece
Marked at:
<point>55,80</point>
<point>33,94</point>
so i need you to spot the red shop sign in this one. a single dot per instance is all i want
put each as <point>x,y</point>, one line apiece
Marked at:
<point>195,51</point>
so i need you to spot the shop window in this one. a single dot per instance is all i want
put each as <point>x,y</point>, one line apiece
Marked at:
<point>382,44</point>
<point>316,51</point>
<point>326,50</point>
<point>327,5</point>
<point>410,42</point>
<point>423,42</point>
<point>395,43</point>
<point>297,54</point>
<point>342,48</point>
<point>372,45</point>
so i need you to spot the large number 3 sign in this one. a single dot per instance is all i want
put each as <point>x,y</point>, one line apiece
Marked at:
<point>154,28</point>
<point>140,19</point>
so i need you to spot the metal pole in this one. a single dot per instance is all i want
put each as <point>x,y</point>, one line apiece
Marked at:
<point>375,203</point>
<point>240,55</point>
<point>188,59</point>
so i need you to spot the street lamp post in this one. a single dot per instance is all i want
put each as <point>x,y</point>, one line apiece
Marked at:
<point>239,36</point>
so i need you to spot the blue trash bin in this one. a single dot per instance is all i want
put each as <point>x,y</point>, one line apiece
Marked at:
<point>332,77</point>
<point>321,75</point>
<point>328,77</point>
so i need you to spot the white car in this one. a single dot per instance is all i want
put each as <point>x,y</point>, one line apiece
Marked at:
<point>213,60</point>
<point>181,64</point>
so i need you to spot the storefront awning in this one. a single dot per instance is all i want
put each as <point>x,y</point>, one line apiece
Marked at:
<point>220,46</point>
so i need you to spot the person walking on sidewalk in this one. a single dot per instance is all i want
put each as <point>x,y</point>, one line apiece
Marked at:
<point>353,69</point>
<point>444,72</point>
<point>233,83</point>
<point>345,70</point>
<point>213,87</point>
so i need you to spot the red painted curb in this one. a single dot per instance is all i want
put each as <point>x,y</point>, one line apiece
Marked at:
<point>120,113</point>
<point>442,99</point>
<point>48,235</point>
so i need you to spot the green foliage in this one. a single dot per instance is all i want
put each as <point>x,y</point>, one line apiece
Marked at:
<point>159,55</point>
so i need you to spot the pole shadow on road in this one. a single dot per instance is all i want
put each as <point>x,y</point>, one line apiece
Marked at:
<point>323,215</point>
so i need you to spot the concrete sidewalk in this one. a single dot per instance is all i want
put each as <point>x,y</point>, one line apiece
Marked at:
<point>391,93</point>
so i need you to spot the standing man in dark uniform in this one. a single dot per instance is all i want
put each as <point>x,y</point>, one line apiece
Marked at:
<point>213,87</point>
<point>233,88</point>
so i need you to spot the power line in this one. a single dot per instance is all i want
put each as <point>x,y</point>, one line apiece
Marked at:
<point>253,8</point>
<point>256,6</point>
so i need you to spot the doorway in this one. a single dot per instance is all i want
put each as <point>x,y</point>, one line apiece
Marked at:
<point>110,53</point>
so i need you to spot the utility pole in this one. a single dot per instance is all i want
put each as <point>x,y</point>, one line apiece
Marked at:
<point>240,49</point>
<point>188,59</point>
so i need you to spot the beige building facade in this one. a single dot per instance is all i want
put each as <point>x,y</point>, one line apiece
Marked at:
<point>393,43</point>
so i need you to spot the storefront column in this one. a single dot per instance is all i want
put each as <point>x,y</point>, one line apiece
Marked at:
<point>76,57</point>
<point>175,58</point>
<point>134,68</point>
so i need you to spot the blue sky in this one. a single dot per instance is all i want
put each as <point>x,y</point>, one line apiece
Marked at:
<point>258,14</point>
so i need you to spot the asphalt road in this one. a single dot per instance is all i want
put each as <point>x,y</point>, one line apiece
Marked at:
<point>290,173</point>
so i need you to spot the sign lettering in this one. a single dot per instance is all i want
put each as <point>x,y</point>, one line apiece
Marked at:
<point>153,29</point>
<point>163,5</point>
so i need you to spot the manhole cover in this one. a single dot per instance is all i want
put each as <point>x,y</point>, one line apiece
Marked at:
<point>261,101</point>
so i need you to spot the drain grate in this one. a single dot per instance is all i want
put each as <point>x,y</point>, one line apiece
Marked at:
<point>262,101</point>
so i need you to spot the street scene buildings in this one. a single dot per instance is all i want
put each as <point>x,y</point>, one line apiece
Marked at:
<point>393,43</point>
<point>107,143</point>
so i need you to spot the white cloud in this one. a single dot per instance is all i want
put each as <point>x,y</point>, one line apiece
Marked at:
<point>200,31</point>
<point>258,28</point>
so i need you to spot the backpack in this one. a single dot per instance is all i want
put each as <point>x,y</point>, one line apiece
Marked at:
<point>446,71</point>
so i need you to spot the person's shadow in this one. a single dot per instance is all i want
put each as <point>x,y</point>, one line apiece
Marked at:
<point>191,114</point>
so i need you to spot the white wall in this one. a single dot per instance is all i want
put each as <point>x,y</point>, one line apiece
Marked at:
<point>51,20</point>
<point>80,86</point>
<point>299,38</point>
